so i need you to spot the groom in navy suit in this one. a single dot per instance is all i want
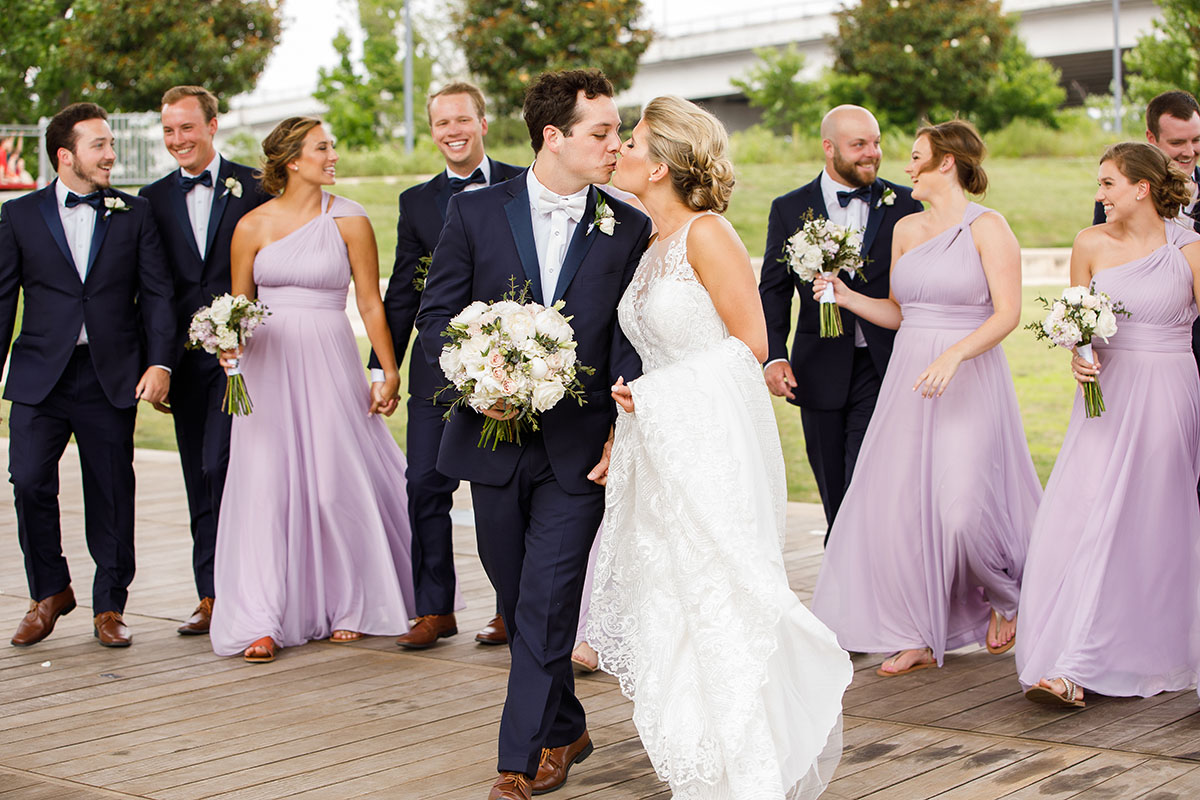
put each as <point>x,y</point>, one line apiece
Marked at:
<point>538,504</point>
<point>835,381</point>
<point>97,335</point>
<point>458,121</point>
<point>196,208</point>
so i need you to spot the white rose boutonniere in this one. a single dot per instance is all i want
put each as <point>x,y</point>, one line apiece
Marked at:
<point>605,220</point>
<point>233,186</point>
<point>887,198</point>
<point>112,204</point>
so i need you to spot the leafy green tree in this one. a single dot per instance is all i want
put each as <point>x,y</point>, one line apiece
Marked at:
<point>788,104</point>
<point>507,43</point>
<point>1169,56</point>
<point>1023,86</point>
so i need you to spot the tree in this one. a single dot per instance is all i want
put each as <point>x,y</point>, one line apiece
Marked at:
<point>1023,86</point>
<point>123,54</point>
<point>508,42</point>
<point>1169,56</point>
<point>367,106</point>
<point>789,105</point>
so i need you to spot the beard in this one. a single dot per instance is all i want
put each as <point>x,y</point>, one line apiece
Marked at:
<point>97,179</point>
<point>848,170</point>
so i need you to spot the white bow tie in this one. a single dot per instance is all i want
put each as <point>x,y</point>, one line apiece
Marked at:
<point>572,206</point>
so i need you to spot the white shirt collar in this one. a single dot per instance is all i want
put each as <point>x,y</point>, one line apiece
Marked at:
<point>535,188</point>
<point>61,191</point>
<point>214,166</point>
<point>485,167</point>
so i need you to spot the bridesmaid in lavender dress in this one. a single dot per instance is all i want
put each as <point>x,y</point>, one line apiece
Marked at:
<point>1113,579</point>
<point>314,535</point>
<point>927,552</point>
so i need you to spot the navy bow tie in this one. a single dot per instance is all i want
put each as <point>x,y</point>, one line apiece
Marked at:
<point>458,184</point>
<point>94,199</point>
<point>188,183</point>
<point>861,193</point>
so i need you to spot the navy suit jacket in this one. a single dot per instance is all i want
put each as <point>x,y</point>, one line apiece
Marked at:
<point>125,299</point>
<point>486,243</point>
<point>198,281</point>
<point>422,215</point>
<point>1098,217</point>
<point>823,366</point>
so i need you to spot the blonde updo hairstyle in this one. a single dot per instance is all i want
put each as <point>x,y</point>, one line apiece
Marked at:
<point>958,138</point>
<point>694,146</point>
<point>281,147</point>
<point>1139,161</point>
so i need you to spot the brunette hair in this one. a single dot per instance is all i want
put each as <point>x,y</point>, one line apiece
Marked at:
<point>958,138</point>
<point>694,146</point>
<point>459,87</point>
<point>1170,188</point>
<point>207,100</point>
<point>60,132</point>
<point>553,100</point>
<point>281,147</point>
<point>1178,104</point>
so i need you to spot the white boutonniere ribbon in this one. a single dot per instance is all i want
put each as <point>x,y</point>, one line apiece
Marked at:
<point>233,186</point>
<point>112,204</point>
<point>887,198</point>
<point>605,220</point>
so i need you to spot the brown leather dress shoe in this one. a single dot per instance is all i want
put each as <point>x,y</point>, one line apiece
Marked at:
<point>197,624</point>
<point>510,786</point>
<point>557,761</point>
<point>493,632</point>
<point>110,630</point>
<point>42,615</point>
<point>426,631</point>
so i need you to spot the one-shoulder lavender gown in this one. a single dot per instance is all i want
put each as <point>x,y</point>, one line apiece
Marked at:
<point>1112,583</point>
<point>313,534</point>
<point>934,527</point>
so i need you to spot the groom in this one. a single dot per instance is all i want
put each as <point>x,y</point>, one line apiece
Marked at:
<point>538,504</point>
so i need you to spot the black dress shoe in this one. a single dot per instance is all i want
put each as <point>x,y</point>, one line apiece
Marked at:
<point>42,615</point>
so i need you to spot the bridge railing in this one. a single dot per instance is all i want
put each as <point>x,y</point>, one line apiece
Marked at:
<point>141,157</point>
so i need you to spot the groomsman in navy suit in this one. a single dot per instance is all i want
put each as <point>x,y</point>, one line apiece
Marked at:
<point>97,335</point>
<point>196,208</point>
<point>458,121</point>
<point>835,381</point>
<point>538,504</point>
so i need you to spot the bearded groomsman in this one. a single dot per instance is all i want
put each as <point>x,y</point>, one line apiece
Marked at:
<point>197,207</point>
<point>835,381</point>
<point>457,118</point>
<point>97,335</point>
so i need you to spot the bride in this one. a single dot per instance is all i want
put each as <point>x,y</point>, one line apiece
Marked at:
<point>736,686</point>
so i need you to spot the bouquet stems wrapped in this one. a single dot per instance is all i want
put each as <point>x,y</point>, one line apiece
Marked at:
<point>822,248</point>
<point>225,325</point>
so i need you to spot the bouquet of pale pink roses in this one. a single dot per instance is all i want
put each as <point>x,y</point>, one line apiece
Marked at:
<point>1080,315</point>
<point>226,325</point>
<point>511,353</point>
<point>820,247</point>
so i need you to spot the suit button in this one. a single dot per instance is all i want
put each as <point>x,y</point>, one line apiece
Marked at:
<point>86,298</point>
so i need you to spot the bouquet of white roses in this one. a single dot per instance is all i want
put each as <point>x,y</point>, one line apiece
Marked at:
<point>820,247</point>
<point>226,325</point>
<point>1080,315</point>
<point>511,354</point>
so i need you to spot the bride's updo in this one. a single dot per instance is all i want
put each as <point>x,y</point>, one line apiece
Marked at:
<point>694,146</point>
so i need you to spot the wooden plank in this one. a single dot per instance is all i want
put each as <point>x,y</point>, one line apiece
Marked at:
<point>1145,776</point>
<point>1078,777</point>
<point>1017,775</point>
<point>955,774</point>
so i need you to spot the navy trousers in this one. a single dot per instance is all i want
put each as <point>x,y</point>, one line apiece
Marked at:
<point>202,433</point>
<point>430,497</point>
<point>534,540</point>
<point>38,435</point>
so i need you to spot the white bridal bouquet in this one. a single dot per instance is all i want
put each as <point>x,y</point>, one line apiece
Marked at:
<point>820,247</point>
<point>227,324</point>
<point>514,352</point>
<point>1077,317</point>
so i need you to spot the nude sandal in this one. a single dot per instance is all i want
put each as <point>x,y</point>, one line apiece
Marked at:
<point>881,672</point>
<point>1048,697</point>
<point>993,624</point>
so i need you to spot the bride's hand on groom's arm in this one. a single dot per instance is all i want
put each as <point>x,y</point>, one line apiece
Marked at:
<point>623,395</point>
<point>599,473</point>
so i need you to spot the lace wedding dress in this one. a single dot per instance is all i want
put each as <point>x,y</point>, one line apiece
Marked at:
<point>737,687</point>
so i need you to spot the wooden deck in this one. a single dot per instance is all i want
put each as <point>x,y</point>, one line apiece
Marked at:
<point>167,719</point>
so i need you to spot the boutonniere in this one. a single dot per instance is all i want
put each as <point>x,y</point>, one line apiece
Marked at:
<point>605,220</point>
<point>112,204</point>
<point>887,198</point>
<point>421,271</point>
<point>232,186</point>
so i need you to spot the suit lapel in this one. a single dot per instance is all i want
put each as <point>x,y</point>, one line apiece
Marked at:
<point>103,219</point>
<point>179,209</point>
<point>874,216</point>
<point>220,200</point>
<point>442,193</point>
<point>54,223</point>
<point>581,242</point>
<point>517,211</point>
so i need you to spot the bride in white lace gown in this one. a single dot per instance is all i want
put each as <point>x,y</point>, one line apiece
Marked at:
<point>737,687</point>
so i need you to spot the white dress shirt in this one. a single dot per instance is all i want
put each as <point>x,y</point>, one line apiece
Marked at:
<point>484,166</point>
<point>853,216</point>
<point>199,202</point>
<point>551,233</point>
<point>78,224</point>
